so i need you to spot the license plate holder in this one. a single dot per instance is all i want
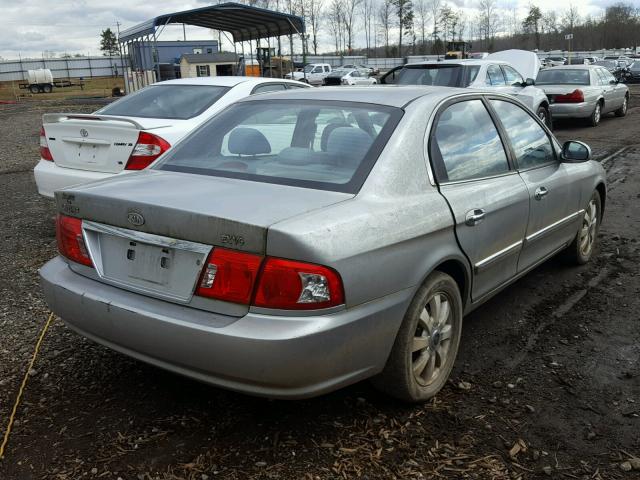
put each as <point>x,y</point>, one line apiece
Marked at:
<point>149,263</point>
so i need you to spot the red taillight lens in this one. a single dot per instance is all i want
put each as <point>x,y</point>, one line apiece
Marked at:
<point>229,275</point>
<point>70,241</point>
<point>45,153</point>
<point>288,284</point>
<point>147,149</point>
<point>577,96</point>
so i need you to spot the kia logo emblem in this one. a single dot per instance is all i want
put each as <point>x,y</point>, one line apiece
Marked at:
<point>84,133</point>
<point>135,218</point>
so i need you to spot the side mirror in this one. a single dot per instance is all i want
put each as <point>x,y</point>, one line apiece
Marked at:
<point>574,151</point>
<point>529,82</point>
<point>613,82</point>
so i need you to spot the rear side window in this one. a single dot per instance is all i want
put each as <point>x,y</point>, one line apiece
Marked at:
<point>269,87</point>
<point>446,75</point>
<point>175,101</point>
<point>314,144</point>
<point>530,142</point>
<point>511,75</point>
<point>494,76</point>
<point>563,77</point>
<point>466,144</point>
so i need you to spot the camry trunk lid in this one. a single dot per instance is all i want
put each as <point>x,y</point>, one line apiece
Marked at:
<point>99,143</point>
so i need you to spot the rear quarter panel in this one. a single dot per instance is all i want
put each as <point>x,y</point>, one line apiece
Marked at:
<point>392,234</point>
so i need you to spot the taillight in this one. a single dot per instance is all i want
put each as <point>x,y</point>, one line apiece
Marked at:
<point>229,275</point>
<point>45,153</point>
<point>577,96</point>
<point>288,284</point>
<point>246,278</point>
<point>147,149</point>
<point>70,241</point>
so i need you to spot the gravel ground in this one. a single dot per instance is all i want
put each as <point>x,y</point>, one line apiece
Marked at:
<point>546,384</point>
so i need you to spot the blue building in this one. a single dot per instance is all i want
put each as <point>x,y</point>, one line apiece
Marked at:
<point>144,55</point>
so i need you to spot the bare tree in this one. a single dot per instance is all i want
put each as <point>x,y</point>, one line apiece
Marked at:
<point>385,15</point>
<point>350,8</point>
<point>314,11</point>
<point>422,17</point>
<point>489,21</point>
<point>367,9</point>
<point>570,18</point>
<point>334,17</point>
<point>434,8</point>
<point>404,12</point>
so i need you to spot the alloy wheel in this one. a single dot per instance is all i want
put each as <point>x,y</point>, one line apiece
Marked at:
<point>589,228</point>
<point>432,339</point>
<point>596,114</point>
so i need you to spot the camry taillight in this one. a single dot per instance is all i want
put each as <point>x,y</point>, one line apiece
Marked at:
<point>577,96</point>
<point>147,149</point>
<point>250,279</point>
<point>70,240</point>
<point>45,153</point>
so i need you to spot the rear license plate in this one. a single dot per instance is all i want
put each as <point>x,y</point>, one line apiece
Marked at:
<point>150,263</point>
<point>88,152</point>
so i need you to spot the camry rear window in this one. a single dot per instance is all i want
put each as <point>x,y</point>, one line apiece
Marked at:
<point>438,75</point>
<point>314,144</point>
<point>167,101</point>
<point>563,77</point>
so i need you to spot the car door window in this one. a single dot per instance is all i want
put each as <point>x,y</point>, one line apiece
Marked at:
<point>294,86</point>
<point>326,69</point>
<point>269,87</point>
<point>512,76</point>
<point>607,77</point>
<point>602,75</point>
<point>355,74</point>
<point>316,70</point>
<point>529,140</point>
<point>466,144</point>
<point>494,76</point>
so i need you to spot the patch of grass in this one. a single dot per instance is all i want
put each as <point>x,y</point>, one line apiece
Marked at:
<point>93,87</point>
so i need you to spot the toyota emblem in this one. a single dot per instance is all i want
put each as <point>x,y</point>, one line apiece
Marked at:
<point>84,133</point>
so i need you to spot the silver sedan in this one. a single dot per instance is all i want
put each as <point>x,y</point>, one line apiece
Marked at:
<point>300,242</point>
<point>583,91</point>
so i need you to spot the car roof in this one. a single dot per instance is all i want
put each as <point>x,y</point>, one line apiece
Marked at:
<point>578,66</point>
<point>390,95</point>
<point>465,61</point>
<point>222,81</point>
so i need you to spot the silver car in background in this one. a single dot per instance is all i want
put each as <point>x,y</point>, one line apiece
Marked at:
<point>300,242</point>
<point>583,91</point>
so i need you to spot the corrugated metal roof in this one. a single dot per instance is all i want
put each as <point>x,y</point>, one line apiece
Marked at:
<point>244,22</point>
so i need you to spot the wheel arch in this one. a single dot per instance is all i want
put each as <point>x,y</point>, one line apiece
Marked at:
<point>602,191</point>
<point>458,269</point>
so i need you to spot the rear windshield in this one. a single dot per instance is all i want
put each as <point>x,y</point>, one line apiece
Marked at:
<point>167,101</point>
<point>438,75</point>
<point>563,77</point>
<point>314,144</point>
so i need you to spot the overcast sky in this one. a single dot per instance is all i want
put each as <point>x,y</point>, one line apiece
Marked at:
<point>29,27</point>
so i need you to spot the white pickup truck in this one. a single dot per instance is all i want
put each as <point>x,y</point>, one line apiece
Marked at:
<point>313,73</point>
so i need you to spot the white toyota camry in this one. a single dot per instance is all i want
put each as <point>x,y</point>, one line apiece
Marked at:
<point>131,133</point>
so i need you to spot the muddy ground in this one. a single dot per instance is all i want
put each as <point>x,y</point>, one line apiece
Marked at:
<point>547,382</point>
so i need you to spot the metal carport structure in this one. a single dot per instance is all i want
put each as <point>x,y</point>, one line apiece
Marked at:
<point>245,24</point>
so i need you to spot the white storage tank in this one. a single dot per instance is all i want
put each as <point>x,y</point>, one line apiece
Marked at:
<point>39,76</point>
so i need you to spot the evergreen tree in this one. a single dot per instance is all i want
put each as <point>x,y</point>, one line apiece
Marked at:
<point>108,42</point>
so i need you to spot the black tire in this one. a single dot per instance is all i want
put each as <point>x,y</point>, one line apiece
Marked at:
<point>596,115</point>
<point>34,89</point>
<point>544,114</point>
<point>622,111</point>
<point>47,88</point>
<point>576,253</point>
<point>398,378</point>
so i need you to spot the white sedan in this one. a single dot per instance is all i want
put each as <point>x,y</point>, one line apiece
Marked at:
<point>131,133</point>
<point>349,77</point>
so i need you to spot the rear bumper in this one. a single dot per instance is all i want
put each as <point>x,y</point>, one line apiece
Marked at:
<point>50,177</point>
<point>572,110</point>
<point>266,355</point>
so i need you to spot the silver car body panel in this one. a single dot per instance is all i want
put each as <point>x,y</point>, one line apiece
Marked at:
<point>384,241</point>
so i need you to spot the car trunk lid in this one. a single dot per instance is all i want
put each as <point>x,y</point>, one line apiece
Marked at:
<point>151,231</point>
<point>98,143</point>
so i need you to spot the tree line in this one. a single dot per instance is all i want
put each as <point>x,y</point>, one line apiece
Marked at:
<point>406,27</point>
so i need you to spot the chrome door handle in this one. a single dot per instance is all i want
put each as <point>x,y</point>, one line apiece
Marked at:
<point>540,193</point>
<point>474,217</point>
